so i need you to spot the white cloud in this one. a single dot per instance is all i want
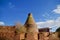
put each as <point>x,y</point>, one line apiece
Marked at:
<point>11,5</point>
<point>48,23</point>
<point>54,24</point>
<point>2,23</point>
<point>57,22</point>
<point>57,10</point>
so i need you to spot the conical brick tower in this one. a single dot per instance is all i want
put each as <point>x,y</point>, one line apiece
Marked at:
<point>32,31</point>
<point>30,24</point>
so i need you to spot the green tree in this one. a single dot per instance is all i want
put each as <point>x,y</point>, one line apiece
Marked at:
<point>58,29</point>
<point>21,29</point>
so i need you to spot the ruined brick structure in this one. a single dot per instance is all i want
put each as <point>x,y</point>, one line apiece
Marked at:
<point>28,31</point>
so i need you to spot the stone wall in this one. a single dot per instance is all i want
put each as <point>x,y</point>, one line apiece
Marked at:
<point>48,36</point>
<point>8,33</point>
<point>43,36</point>
<point>31,36</point>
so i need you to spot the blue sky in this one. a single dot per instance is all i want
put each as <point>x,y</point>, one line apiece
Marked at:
<point>44,11</point>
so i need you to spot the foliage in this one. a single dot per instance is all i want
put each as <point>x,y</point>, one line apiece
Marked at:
<point>58,30</point>
<point>21,29</point>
